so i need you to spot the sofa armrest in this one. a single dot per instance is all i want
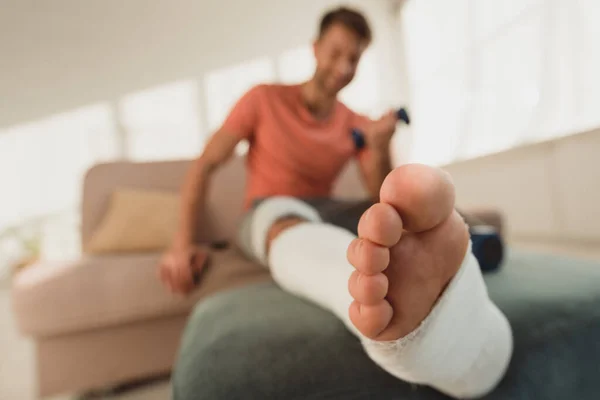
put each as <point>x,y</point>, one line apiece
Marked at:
<point>101,291</point>
<point>85,294</point>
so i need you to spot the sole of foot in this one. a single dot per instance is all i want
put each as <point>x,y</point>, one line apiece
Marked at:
<point>409,247</point>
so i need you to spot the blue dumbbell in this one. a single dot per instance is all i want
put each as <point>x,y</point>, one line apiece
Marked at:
<point>487,247</point>
<point>359,137</point>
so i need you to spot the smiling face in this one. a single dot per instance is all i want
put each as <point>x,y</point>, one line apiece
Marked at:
<point>344,34</point>
<point>337,53</point>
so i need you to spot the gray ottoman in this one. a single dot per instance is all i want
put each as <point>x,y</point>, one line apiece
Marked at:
<point>259,342</point>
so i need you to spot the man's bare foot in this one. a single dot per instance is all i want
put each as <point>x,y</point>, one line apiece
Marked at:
<point>409,248</point>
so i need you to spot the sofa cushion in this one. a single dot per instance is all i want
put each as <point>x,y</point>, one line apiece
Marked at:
<point>136,220</point>
<point>101,291</point>
<point>259,342</point>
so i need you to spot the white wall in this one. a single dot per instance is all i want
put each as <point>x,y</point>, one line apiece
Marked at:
<point>64,54</point>
<point>548,190</point>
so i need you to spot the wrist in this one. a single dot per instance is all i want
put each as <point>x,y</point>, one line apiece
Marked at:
<point>381,150</point>
<point>181,242</point>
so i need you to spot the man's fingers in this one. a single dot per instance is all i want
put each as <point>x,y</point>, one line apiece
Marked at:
<point>194,267</point>
<point>385,117</point>
<point>162,272</point>
<point>166,277</point>
<point>177,271</point>
<point>183,275</point>
<point>198,263</point>
<point>175,278</point>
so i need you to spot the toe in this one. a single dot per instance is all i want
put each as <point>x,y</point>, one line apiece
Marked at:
<point>368,257</point>
<point>423,195</point>
<point>371,320</point>
<point>368,289</point>
<point>381,224</point>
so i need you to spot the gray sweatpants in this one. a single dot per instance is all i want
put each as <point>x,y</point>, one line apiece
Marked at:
<point>342,213</point>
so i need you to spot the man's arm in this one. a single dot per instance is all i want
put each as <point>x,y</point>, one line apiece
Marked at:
<point>375,160</point>
<point>219,149</point>
<point>375,164</point>
<point>181,261</point>
<point>184,260</point>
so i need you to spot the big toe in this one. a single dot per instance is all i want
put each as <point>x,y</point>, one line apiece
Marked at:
<point>423,195</point>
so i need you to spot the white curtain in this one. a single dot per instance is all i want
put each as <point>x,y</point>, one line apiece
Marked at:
<point>487,75</point>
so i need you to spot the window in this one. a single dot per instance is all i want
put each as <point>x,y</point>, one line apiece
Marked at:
<point>42,163</point>
<point>439,116</point>
<point>504,110</point>
<point>492,18</point>
<point>225,86</point>
<point>586,19</point>
<point>41,169</point>
<point>363,93</point>
<point>437,61</point>
<point>487,75</point>
<point>162,123</point>
<point>435,31</point>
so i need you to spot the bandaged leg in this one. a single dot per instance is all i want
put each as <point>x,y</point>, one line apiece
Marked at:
<point>462,343</point>
<point>265,216</point>
<point>463,346</point>
<point>287,272</point>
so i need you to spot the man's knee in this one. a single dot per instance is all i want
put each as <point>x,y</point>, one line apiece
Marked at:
<point>273,216</point>
<point>281,225</point>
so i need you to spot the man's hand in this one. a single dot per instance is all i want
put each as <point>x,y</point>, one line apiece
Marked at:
<point>375,163</point>
<point>178,267</point>
<point>378,133</point>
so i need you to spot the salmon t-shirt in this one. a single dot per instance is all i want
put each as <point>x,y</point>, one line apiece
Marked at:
<point>291,153</point>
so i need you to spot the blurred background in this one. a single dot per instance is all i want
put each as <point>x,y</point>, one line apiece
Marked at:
<point>89,82</point>
<point>506,92</point>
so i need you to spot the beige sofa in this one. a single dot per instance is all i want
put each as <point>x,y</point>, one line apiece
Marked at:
<point>104,320</point>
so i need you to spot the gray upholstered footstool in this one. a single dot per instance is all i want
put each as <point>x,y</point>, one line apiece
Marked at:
<point>261,343</point>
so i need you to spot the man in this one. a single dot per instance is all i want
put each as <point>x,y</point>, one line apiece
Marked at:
<point>408,285</point>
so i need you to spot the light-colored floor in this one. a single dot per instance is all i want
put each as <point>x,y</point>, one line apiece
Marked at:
<point>17,364</point>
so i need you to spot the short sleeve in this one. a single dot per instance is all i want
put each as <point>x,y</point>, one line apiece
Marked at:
<point>243,118</point>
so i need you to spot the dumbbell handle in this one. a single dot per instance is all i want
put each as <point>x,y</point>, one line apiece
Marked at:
<point>359,137</point>
<point>402,115</point>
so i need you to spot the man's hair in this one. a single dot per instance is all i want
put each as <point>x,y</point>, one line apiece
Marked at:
<point>351,19</point>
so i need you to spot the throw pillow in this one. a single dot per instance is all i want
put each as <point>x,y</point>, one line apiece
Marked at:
<point>136,220</point>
